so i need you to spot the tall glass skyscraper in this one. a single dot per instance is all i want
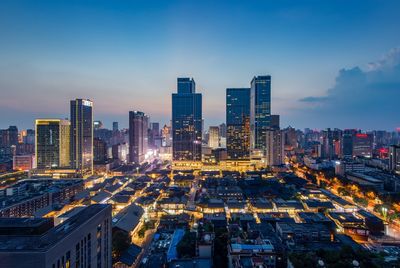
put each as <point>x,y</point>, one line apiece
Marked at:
<point>260,111</point>
<point>186,121</point>
<point>82,135</point>
<point>52,141</point>
<point>138,136</point>
<point>238,123</point>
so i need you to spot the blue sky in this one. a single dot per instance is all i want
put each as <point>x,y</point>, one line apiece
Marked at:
<point>126,55</point>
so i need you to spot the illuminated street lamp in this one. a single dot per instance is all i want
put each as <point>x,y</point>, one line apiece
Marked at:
<point>137,170</point>
<point>384,212</point>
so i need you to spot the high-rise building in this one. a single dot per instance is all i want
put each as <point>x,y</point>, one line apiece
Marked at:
<point>238,123</point>
<point>222,129</point>
<point>213,137</point>
<point>138,136</point>
<point>52,143</point>
<point>347,145</point>
<point>260,111</point>
<point>275,121</point>
<point>290,137</point>
<point>394,158</point>
<point>362,145</point>
<point>166,137</point>
<point>275,141</point>
<point>83,240</point>
<point>115,126</point>
<point>154,135</point>
<point>9,136</point>
<point>186,121</point>
<point>99,151</point>
<point>28,136</point>
<point>82,135</point>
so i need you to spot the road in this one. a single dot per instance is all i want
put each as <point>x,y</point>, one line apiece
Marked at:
<point>390,229</point>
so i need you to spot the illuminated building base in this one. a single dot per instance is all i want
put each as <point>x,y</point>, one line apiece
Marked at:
<point>229,165</point>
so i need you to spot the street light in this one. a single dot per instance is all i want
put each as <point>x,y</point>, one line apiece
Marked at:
<point>137,170</point>
<point>384,212</point>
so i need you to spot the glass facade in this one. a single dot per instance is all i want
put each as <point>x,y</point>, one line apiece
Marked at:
<point>260,111</point>
<point>82,135</point>
<point>52,143</point>
<point>138,136</point>
<point>238,123</point>
<point>186,122</point>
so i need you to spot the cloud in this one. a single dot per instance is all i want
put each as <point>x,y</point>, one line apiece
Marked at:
<point>361,98</point>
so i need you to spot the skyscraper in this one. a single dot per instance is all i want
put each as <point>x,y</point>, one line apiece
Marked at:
<point>138,136</point>
<point>186,121</point>
<point>238,123</point>
<point>115,126</point>
<point>99,151</point>
<point>260,111</point>
<point>394,158</point>
<point>362,145</point>
<point>275,141</point>
<point>82,135</point>
<point>52,143</point>
<point>213,137</point>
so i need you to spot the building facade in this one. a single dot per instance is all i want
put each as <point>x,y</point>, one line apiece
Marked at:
<point>213,137</point>
<point>238,123</point>
<point>24,162</point>
<point>82,135</point>
<point>394,158</point>
<point>83,240</point>
<point>138,136</point>
<point>362,145</point>
<point>186,121</point>
<point>52,143</point>
<point>275,147</point>
<point>260,112</point>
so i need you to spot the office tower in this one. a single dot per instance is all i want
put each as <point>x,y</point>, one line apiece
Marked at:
<point>83,240</point>
<point>154,135</point>
<point>186,121</point>
<point>82,135</point>
<point>394,158</point>
<point>290,137</point>
<point>166,136</point>
<point>222,129</point>
<point>362,145</point>
<point>9,136</point>
<point>260,111</point>
<point>275,140</point>
<point>99,151</point>
<point>52,143</point>
<point>275,124</point>
<point>115,126</point>
<point>29,137</point>
<point>138,136</point>
<point>347,145</point>
<point>213,137</point>
<point>12,135</point>
<point>238,123</point>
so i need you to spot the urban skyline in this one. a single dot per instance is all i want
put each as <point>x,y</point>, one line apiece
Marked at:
<point>311,75</point>
<point>276,146</point>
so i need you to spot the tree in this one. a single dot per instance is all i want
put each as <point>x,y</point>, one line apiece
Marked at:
<point>120,242</point>
<point>343,191</point>
<point>186,248</point>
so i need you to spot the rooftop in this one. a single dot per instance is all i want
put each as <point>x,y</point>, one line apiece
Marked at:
<point>52,236</point>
